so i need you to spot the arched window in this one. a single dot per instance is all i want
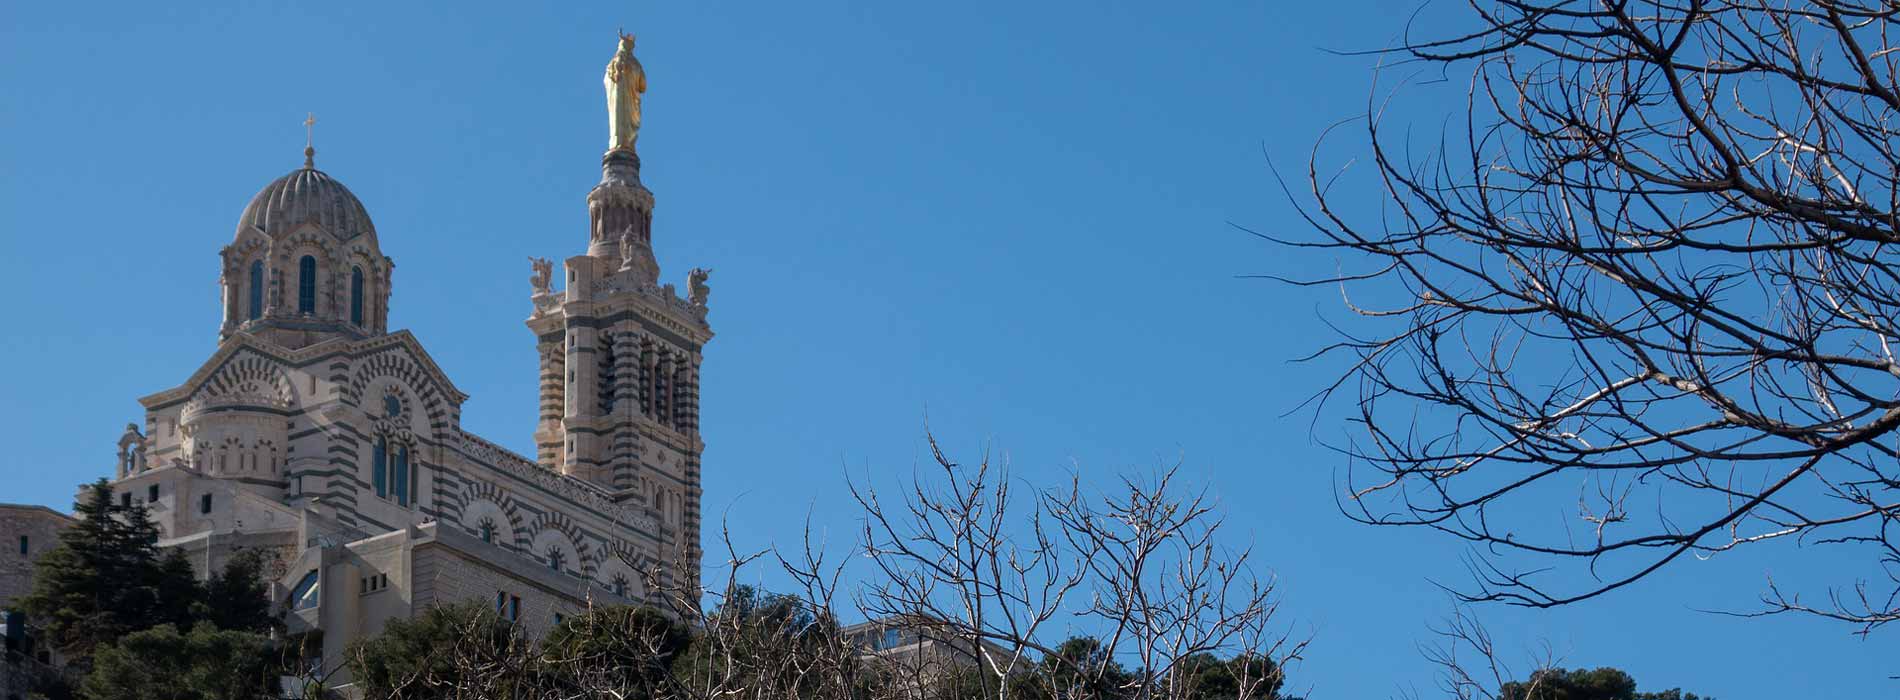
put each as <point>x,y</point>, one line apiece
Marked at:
<point>379,473</point>
<point>402,475</point>
<point>619,585</point>
<point>356,295</point>
<point>556,558</point>
<point>307,285</point>
<point>488,530</point>
<point>257,289</point>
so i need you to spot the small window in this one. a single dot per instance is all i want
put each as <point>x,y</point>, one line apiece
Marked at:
<point>23,545</point>
<point>556,558</point>
<point>151,493</point>
<point>125,500</point>
<point>559,618</point>
<point>204,503</point>
<point>514,608</point>
<point>890,639</point>
<point>619,585</point>
<point>392,406</point>
<point>501,602</point>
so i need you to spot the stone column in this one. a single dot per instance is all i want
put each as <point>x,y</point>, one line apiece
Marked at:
<point>663,389</point>
<point>549,437</point>
<point>649,371</point>
<point>273,281</point>
<point>686,395</point>
<point>381,295</point>
<point>583,402</point>
<point>231,297</point>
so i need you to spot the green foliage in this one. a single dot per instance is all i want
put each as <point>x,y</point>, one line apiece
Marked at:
<point>430,656</point>
<point>631,650</point>
<point>1206,677</point>
<point>1080,665</point>
<point>106,579</point>
<point>206,664</point>
<point>237,598</point>
<point>1581,684</point>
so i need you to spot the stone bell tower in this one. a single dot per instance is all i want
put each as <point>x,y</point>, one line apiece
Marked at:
<point>620,352</point>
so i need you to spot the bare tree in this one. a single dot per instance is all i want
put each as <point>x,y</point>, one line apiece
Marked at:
<point>968,558</point>
<point>1471,666</point>
<point>1648,282</point>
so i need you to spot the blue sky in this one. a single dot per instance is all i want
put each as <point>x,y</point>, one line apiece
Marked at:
<point>1010,219</point>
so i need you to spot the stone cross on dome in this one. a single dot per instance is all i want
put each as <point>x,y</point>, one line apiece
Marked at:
<point>309,135</point>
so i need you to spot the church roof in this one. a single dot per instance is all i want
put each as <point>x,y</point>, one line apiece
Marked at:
<point>306,195</point>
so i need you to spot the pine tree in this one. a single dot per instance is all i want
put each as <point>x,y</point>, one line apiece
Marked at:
<point>237,597</point>
<point>106,579</point>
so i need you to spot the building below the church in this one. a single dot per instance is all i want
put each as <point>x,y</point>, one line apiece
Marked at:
<point>320,436</point>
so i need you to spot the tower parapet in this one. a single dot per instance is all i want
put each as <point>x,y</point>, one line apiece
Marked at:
<point>620,215</point>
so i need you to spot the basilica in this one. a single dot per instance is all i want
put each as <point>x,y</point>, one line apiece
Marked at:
<point>317,434</point>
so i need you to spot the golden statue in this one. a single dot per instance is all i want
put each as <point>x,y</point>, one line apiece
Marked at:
<point>625,81</point>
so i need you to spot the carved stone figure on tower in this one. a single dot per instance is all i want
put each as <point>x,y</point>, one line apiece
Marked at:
<point>543,277</point>
<point>696,289</point>
<point>625,81</point>
<point>628,248</point>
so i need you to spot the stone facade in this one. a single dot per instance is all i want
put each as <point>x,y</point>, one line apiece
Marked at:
<point>26,532</point>
<point>318,435</point>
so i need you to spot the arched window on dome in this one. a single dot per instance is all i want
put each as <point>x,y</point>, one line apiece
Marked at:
<point>257,290</point>
<point>356,295</point>
<point>307,285</point>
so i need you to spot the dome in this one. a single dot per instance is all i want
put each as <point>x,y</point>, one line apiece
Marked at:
<point>306,195</point>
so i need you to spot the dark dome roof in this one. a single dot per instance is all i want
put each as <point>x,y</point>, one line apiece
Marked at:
<point>306,195</point>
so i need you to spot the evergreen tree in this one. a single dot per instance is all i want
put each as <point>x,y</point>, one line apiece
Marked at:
<point>106,579</point>
<point>1585,684</point>
<point>1206,677</point>
<point>237,598</point>
<point>1080,665</point>
<point>178,598</point>
<point>205,664</point>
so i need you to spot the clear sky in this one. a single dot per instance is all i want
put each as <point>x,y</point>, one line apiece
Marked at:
<point>1010,218</point>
